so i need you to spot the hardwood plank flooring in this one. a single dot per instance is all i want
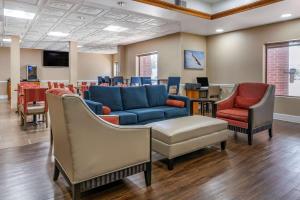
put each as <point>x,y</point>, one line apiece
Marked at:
<point>268,170</point>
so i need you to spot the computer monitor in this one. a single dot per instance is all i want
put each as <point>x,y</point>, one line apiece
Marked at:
<point>203,81</point>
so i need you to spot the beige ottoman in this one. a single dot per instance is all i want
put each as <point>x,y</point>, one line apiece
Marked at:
<point>176,137</point>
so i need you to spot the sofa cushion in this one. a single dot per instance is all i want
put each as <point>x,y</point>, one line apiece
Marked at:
<point>145,114</point>
<point>172,112</point>
<point>157,95</point>
<point>108,96</point>
<point>245,102</point>
<point>106,110</point>
<point>234,114</point>
<point>134,97</point>
<point>125,118</point>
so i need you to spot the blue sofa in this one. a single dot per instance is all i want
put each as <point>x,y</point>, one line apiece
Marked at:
<point>136,105</point>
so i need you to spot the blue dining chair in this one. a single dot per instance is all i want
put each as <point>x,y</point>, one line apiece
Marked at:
<point>173,82</point>
<point>107,79</point>
<point>135,81</point>
<point>117,79</point>
<point>146,80</point>
<point>101,80</point>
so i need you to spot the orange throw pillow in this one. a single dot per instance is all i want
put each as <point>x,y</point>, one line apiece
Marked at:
<point>175,103</point>
<point>106,110</point>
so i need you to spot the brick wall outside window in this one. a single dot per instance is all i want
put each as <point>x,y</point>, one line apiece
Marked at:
<point>278,68</point>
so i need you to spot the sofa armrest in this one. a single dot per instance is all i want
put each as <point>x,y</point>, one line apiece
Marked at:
<point>96,107</point>
<point>185,99</point>
<point>261,113</point>
<point>228,102</point>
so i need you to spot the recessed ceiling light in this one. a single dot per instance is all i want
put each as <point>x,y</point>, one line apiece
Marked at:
<point>219,30</point>
<point>57,34</point>
<point>286,15</point>
<point>18,14</point>
<point>115,28</point>
<point>6,40</point>
<point>79,46</point>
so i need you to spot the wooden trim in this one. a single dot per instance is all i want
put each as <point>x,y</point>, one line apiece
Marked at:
<point>170,6</point>
<point>203,15</point>
<point>250,6</point>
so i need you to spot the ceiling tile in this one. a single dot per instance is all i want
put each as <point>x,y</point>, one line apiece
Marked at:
<point>53,11</point>
<point>60,5</point>
<point>20,6</point>
<point>48,18</point>
<point>113,14</point>
<point>137,19</point>
<point>89,10</point>
<point>34,2</point>
<point>80,17</point>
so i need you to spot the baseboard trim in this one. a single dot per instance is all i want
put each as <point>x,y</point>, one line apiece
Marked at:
<point>287,118</point>
<point>3,97</point>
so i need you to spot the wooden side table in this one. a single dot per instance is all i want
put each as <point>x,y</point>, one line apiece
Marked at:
<point>202,101</point>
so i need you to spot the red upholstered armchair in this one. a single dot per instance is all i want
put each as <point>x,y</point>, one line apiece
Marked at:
<point>249,109</point>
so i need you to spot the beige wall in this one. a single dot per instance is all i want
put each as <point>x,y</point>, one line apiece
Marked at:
<point>238,57</point>
<point>90,65</point>
<point>170,50</point>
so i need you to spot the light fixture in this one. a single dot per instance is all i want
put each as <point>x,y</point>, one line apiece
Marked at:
<point>115,28</point>
<point>286,15</point>
<point>18,14</point>
<point>79,46</point>
<point>6,40</point>
<point>57,34</point>
<point>219,30</point>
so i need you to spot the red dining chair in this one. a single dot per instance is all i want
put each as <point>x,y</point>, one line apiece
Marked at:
<point>20,91</point>
<point>34,103</point>
<point>84,83</point>
<point>55,84</point>
<point>50,86</point>
<point>93,83</point>
<point>61,85</point>
<point>71,88</point>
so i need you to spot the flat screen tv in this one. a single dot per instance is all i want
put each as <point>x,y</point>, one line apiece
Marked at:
<point>55,59</point>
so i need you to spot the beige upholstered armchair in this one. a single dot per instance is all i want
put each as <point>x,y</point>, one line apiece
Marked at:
<point>90,152</point>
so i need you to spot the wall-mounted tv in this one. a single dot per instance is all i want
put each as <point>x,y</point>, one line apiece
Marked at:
<point>55,59</point>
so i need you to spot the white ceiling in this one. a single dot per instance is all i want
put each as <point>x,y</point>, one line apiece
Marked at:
<point>85,20</point>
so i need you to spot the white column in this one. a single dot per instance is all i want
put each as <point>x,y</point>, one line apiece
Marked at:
<point>73,62</point>
<point>122,60</point>
<point>14,69</point>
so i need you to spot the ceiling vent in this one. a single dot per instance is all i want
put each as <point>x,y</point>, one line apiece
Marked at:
<point>180,3</point>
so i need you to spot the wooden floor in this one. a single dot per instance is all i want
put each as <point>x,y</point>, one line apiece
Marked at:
<point>12,133</point>
<point>268,170</point>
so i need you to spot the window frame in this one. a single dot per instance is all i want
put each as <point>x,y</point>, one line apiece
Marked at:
<point>139,63</point>
<point>267,46</point>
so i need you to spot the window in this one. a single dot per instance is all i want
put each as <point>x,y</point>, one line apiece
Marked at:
<point>147,65</point>
<point>283,67</point>
<point>116,69</point>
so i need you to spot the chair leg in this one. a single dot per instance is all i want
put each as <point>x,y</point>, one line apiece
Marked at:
<point>147,174</point>
<point>76,192</point>
<point>51,137</point>
<point>45,116</point>
<point>25,121</point>
<point>223,145</point>
<point>171,164</point>
<point>270,132</point>
<point>56,173</point>
<point>250,138</point>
